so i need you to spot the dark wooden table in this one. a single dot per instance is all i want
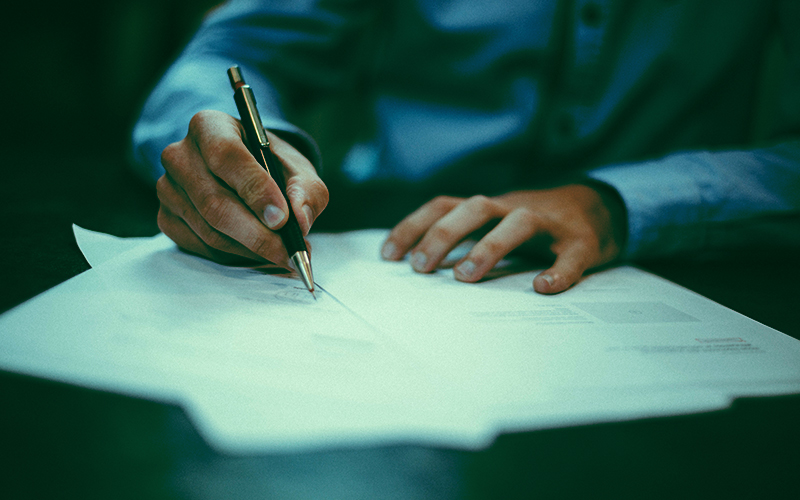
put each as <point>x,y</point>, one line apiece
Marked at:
<point>61,441</point>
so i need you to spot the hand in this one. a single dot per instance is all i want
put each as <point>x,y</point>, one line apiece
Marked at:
<point>218,202</point>
<point>582,226</point>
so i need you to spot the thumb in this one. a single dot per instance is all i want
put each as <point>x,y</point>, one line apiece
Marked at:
<point>307,193</point>
<point>568,268</point>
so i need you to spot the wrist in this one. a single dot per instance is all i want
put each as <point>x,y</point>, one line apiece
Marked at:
<point>614,208</point>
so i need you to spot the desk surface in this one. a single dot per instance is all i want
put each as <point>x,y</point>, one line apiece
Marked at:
<point>63,441</point>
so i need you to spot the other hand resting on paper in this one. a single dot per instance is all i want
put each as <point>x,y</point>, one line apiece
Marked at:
<point>582,226</point>
<point>218,202</point>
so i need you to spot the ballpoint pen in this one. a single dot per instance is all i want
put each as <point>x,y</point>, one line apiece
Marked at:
<point>258,144</point>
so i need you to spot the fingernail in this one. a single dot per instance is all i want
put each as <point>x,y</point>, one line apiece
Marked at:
<point>388,251</point>
<point>465,269</point>
<point>273,216</point>
<point>549,279</point>
<point>418,261</point>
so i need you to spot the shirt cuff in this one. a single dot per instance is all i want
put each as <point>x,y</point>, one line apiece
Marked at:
<point>662,205</point>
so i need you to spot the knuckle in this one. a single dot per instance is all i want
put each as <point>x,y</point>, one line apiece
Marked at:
<point>199,122</point>
<point>319,194</point>
<point>185,211</point>
<point>253,188</point>
<point>440,232</point>
<point>443,203</point>
<point>171,155</point>
<point>162,188</point>
<point>491,247</point>
<point>486,206</point>
<point>526,217</point>
<point>221,153</point>
<point>212,208</point>
<point>480,202</point>
<point>296,194</point>
<point>580,246</point>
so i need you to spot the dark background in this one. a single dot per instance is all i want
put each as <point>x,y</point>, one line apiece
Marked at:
<point>73,77</point>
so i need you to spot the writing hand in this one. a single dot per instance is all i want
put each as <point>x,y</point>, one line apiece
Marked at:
<point>218,202</point>
<point>581,226</point>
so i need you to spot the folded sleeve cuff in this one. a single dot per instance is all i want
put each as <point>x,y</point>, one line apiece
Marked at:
<point>192,86</point>
<point>662,205</point>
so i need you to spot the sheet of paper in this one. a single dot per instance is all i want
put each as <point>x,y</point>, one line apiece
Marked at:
<point>100,247</point>
<point>621,340</point>
<point>386,355</point>
<point>258,363</point>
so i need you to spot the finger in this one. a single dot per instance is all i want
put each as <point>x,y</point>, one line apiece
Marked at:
<point>515,229</point>
<point>306,191</point>
<point>183,236</point>
<point>175,202</point>
<point>451,229</point>
<point>219,139</point>
<point>570,264</point>
<point>410,230</point>
<point>219,206</point>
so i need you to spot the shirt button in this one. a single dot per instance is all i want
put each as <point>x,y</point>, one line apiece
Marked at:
<point>591,14</point>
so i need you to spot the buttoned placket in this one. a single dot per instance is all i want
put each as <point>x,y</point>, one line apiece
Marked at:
<point>589,20</point>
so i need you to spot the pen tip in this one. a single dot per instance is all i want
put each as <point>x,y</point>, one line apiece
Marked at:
<point>303,267</point>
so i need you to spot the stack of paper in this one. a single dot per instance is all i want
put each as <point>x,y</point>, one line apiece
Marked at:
<point>385,355</point>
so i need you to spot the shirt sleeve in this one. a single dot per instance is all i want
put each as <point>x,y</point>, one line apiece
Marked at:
<point>707,203</point>
<point>286,49</point>
<point>703,203</point>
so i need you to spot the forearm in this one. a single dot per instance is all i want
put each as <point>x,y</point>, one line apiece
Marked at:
<point>300,45</point>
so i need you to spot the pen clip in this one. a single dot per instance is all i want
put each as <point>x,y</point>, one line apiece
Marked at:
<point>246,102</point>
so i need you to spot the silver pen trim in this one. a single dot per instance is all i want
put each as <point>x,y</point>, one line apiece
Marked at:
<point>303,266</point>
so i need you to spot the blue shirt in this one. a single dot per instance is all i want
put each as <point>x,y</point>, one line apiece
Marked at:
<point>655,99</point>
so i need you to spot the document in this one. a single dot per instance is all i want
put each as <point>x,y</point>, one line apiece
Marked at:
<point>385,355</point>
